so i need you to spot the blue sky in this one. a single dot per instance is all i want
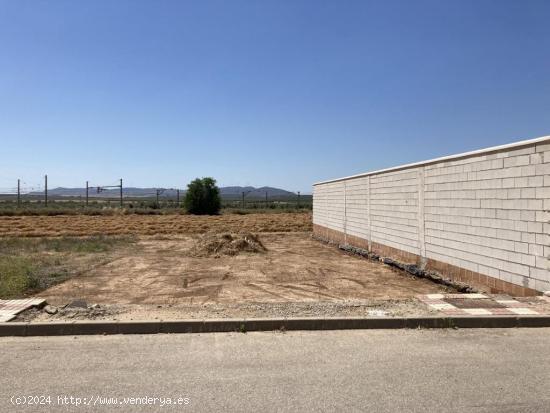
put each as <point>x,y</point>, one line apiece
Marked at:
<point>281,93</point>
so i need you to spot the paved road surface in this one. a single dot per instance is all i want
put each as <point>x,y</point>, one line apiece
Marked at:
<point>373,371</point>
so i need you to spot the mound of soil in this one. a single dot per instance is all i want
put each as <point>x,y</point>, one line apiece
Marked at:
<point>217,245</point>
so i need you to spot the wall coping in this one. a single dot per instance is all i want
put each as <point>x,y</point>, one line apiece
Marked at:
<point>478,152</point>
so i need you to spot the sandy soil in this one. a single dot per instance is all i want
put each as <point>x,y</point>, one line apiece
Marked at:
<point>158,278</point>
<point>81,225</point>
<point>125,312</point>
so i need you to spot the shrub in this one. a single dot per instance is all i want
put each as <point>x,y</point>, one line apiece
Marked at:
<point>16,276</point>
<point>202,197</point>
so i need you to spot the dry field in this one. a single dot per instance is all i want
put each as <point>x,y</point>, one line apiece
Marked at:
<point>84,225</point>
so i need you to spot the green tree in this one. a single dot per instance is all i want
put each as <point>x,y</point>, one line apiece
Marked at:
<point>203,197</point>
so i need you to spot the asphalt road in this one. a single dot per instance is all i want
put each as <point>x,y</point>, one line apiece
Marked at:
<point>373,371</point>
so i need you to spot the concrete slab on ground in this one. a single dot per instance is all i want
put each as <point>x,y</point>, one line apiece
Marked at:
<point>10,308</point>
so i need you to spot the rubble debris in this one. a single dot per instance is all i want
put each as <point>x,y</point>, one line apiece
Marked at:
<point>412,269</point>
<point>78,304</point>
<point>50,309</point>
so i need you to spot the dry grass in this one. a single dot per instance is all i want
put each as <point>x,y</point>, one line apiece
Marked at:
<point>29,265</point>
<point>82,225</point>
<point>217,245</point>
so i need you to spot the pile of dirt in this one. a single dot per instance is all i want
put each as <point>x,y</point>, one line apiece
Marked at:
<point>228,244</point>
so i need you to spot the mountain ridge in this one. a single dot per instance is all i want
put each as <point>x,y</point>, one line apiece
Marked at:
<point>225,192</point>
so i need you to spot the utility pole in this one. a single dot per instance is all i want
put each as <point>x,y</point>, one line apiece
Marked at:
<point>177,198</point>
<point>46,190</point>
<point>244,194</point>
<point>18,192</point>
<point>87,191</point>
<point>121,192</point>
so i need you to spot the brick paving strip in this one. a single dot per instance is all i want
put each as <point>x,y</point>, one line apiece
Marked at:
<point>486,305</point>
<point>10,308</point>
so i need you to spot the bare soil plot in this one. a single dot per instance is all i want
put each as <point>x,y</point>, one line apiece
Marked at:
<point>85,225</point>
<point>295,268</point>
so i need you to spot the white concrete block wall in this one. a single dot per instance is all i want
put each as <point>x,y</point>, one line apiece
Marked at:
<point>330,209</point>
<point>394,210</point>
<point>486,211</point>
<point>357,218</point>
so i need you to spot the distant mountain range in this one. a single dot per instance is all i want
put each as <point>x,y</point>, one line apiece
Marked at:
<point>226,192</point>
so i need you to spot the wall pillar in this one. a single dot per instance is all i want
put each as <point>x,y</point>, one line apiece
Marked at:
<point>345,214</point>
<point>368,214</point>
<point>421,231</point>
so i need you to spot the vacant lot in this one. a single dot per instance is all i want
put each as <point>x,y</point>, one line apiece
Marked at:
<point>294,268</point>
<point>84,225</point>
<point>183,266</point>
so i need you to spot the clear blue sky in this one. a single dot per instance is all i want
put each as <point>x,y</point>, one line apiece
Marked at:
<point>281,93</point>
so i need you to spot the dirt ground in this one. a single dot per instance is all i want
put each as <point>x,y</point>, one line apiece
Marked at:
<point>83,225</point>
<point>297,275</point>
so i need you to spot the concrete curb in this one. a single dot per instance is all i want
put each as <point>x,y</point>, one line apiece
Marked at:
<point>266,324</point>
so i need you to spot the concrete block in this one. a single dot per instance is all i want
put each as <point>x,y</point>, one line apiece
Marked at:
<point>543,239</point>
<point>514,193</point>
<point>521,247</point>
<point>182,326</point>
<point>94,327</point>
<point>223,325</point>
<point>521,182</point>
<point>529,238</point>
<point>509,235</point>
<point>523,151</point>
<point>543,147</point>
<point>536,250</point>
<point>484,321</point>
<point>535,181</point>
<point>264,324</point>
<point>542,262</point>
<point>139,327</point>
<point>514,268</point>
<point>305,324</point>
<point>508,183</point>
<point>535,227</point>
<point>529,260</point>
<point>50,329</point>
<point>529,170</point>
<point>533,321</point>
<point>543,192</point>
<point>535,158</point>
<point>540,274</point>
<point>543,285</point>
<point>516,161</point>
<point>525,193</point>
<point>13,329</point>
<point>521,226</point>
<point>526,215</point>
<point>542,169</point>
